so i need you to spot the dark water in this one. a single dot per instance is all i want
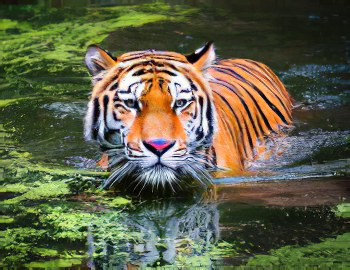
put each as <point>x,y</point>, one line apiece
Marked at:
<point>291,212</point>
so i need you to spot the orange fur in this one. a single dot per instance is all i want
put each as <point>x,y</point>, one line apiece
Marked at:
<point>250,101</point>
<point>235,128</point>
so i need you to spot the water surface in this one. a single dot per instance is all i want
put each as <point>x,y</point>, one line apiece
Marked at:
<point>52,213</point>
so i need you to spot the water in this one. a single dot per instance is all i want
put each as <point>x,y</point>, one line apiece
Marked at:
<point>52,214</point>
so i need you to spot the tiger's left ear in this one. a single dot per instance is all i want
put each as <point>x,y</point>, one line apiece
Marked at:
<point>203,57</point>
<point>97,60</point>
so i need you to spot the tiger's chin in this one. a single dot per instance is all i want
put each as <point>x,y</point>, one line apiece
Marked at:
<point>158,177</point>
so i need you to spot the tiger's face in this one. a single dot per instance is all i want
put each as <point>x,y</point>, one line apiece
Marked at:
<point>152,112</point>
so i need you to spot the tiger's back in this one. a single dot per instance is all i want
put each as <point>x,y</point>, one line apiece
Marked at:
<point>251,102</point>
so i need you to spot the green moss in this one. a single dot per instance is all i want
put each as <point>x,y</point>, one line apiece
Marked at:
<point>118,201</point>
<point>6,24</point>
<point>331,253</point>
<point>21,160</point>
<point>54,264</point>
<point>195,261</point>
<point>53,189</point>
<point>6,102</point>
<point>46,252</point>
<point>343,210</point>
<point>68,224</point>
<point>57,49</point>
<point>6,219</point>
<point>20,188</point>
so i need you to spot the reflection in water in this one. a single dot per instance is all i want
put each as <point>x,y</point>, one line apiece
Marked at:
<point>166,229</point>
<point>183,234</point>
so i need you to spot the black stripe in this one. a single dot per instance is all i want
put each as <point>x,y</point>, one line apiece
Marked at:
<point>268,102</point>
<point>131,85</point>
<point>105,107</point>
<point>171,66</point>
<point>214,159</point>
<point>95,115</point>
<point>133,58</point>
<point>116,106</point>
<point>199,131</point>
<point>231,88</point>
<point>124,91</point>
<point>267,123</point>
<point>114,87</point>
<point>234,114</point>
<point>186,91</point>
<point>139,72</point>
<point>274,108</point>
<point>195,113</point>
<point>219,68</point>
<point>168,72</point>
<point>193,86</point>
<point>210,119</point>
<point>139,64</point>
<point>161,82</point>
<point>158,57</point>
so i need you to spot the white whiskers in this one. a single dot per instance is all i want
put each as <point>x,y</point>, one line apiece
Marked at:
<point>175,173</point>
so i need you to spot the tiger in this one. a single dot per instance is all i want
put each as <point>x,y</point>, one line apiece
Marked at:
<point>164,118</point>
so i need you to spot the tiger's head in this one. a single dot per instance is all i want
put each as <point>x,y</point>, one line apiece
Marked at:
<point>152,112</point>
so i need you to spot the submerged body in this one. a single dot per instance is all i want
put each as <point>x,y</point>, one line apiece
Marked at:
<point>163,117</point>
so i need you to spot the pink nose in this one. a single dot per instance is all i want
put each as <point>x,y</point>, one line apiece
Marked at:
<point>158,146</point>
<point>159,143</point>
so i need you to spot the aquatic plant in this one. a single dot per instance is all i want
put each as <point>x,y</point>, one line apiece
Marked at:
<point>37,56</point>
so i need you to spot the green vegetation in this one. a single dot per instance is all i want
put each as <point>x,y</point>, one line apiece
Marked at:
<point>329,254</point>
<point>43,213</point>
<point>343,210</point>
<point>49,56</point>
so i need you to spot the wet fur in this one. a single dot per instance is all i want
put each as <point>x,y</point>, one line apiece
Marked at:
<point>233,105</point>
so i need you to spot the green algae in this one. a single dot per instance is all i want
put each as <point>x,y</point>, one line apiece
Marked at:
<point>44,200</point>
<point>20,188</point>
<point>330,253</point>
<point>53,225</point>
<point>343,210</point>
<point>7,102</point>
<point>117,202</point>
<point>18,243</point>
<point>6,219</point>
<point>35,51</point>
<point>40,191</point>
<point>36,181</point>
<point>22,164</point>
<point>54,264</point>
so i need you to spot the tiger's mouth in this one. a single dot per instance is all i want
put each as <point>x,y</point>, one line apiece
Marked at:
<point>159,176</point>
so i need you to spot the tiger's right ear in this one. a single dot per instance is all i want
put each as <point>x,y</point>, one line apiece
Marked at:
<point>203,58</point>
<point>97,60</point>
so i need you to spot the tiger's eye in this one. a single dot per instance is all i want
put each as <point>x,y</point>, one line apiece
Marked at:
<point>180,102</point>
<point>131,103</point>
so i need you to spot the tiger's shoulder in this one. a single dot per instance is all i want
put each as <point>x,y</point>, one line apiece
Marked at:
<point>251,103</point>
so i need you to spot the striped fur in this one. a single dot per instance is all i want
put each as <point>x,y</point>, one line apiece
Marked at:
<point>216,115</point>
<point>251,102</point>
